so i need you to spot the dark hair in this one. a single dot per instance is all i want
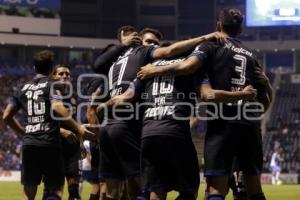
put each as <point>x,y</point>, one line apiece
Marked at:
<point>231,21</point>
<point>155,32</point>
<point>43,62</point>
<point>59,66</point>
<point>126,30</point>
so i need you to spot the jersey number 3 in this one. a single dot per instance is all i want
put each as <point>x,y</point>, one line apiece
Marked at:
<point>240,69</point>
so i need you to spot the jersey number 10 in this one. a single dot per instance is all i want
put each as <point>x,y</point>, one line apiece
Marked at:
<point>163,85</point>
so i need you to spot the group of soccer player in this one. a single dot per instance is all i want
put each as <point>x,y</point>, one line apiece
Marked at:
<point>144,149</point>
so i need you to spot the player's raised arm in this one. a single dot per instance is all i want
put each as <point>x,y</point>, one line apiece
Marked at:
<point>127,36</point>
<point>8,118</point>
<point>208,94</point>
<point>181,47</point>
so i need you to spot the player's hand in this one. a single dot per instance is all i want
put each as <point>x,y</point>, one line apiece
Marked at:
<point>250,93</point>
<point>218,36</point>
<point>71,138</point>
<point>147,72</point>
<point>260,76</point>
<point>86,134</point>
<point>130,39</point>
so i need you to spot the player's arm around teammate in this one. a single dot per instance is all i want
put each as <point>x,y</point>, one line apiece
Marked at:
<point>209,94</point>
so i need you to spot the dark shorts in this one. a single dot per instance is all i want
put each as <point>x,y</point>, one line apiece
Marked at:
<point>72,159</point>
<point>42,163</point>
<point>169,163</point>
<point>119,151</point>
<point>94,148</point>
<point>224,141</point>
<point>90,176</point>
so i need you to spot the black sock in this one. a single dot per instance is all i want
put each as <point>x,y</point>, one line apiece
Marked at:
<point>258,196</point>
<point>74,192</point>
<point>215,197</point>
<point>94,197</point>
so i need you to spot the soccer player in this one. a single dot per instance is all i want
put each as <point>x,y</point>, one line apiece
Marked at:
<point>127,36</point>
<point>70,141</point>
<point>275,166</point>
<point>122,132</point>
<point>169,160</point>
<point>95,89</point>
<point>42,157</point>
<point>150,36</point>
<point>231,67</point>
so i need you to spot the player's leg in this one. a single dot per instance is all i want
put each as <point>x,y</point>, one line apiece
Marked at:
<point>114,189</point>
<point>73,188</point>
<point>132,187</point>
<point>218,155</point>
<point>73,172</point>
<point>31,172</point>
<point>277,180</point>
<point>102,189</point>
<point>158,195</point>
<point>29,192</point>
<point>126,144</point>
<point>53,170</point>
<point>97,185</point>
<point>250,159</point>
<point>109,166</point>
<point>273,175</point>
<point>241,190</point>
<point>169,164</point>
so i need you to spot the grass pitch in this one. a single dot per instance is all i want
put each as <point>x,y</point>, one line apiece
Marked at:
<point>13,191</point>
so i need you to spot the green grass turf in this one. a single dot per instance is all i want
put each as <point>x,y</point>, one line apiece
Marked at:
<point>13,191</point>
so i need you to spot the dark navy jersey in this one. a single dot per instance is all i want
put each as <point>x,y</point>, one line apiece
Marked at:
<point>229,67</point>
<point>125,69</point>
<point>168,103</point>
<point>34,98</point>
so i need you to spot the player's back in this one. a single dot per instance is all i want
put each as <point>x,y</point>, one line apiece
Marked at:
<point>124,70</point>
<point>232,66</point>
<point>168,102</point>
<point>34,98</point>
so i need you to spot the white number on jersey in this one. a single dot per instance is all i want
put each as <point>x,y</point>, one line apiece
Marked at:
<point>32,105</point>
<point>241,69</point>
<point>165,85</point>
<point>123,63</point>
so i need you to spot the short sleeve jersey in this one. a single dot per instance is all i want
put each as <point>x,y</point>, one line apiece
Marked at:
<point>228,67</point>
<point>34,98</point>
<point>168,103</point>
<point>125,69</point>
